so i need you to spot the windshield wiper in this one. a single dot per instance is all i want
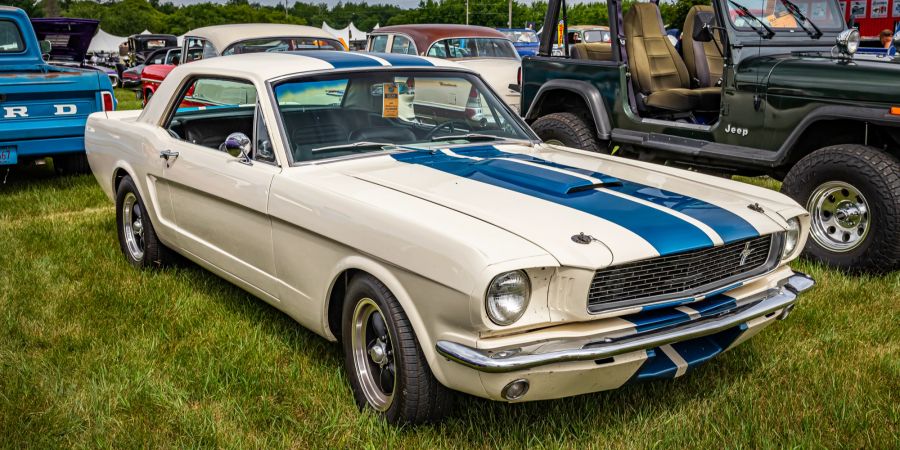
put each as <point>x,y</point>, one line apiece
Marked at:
<point>356,145</point>
<point>472,137</point>
<point>746,13</point>
<point>795,11</point>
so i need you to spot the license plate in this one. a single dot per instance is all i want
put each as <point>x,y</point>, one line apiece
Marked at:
<point>8,156</point>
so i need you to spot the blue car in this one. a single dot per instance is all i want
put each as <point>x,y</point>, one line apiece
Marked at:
<point>525,40</point>
<point>43,108</point>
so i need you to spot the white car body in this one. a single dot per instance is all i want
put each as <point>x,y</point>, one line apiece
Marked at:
<point>289,233</point>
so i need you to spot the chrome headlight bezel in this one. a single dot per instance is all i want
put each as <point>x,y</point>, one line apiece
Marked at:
<point>507,297</point>
<point>848,41</point>
<point>791,237</point>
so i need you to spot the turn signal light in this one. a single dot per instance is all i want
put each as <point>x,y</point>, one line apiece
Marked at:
<point>895,110</point>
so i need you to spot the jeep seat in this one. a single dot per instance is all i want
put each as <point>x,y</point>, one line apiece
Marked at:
<point>703,59</point>
<point>657,69</point>
<point>593,51</point>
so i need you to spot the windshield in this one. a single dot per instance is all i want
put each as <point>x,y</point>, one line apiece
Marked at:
<point>521,36</point>
<point>776,15</point>
<point>596,36</point>
<point>458,48</point>
<point>282,45</point>
<point>10,38</point>
<point>347,114</point>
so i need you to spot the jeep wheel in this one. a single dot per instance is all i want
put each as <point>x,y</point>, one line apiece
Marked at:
<point>568,130</point>
<point>852,193</point>
<point>386,367</point>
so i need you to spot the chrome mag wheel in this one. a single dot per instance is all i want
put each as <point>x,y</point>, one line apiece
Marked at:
<point>373,354</point>
<point>133,225</point>
<point>840,216</point>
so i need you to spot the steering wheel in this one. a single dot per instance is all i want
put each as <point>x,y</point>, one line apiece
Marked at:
<point>448,124</point>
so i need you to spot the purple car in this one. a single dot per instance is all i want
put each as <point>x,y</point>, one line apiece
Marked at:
<point>70,39</point>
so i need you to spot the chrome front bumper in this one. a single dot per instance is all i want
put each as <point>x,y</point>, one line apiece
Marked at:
<point>510,360</point>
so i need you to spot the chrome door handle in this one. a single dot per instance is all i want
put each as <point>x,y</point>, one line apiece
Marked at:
<point>166,154</point>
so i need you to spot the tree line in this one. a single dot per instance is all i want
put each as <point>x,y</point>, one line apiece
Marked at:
<point>126,17</point>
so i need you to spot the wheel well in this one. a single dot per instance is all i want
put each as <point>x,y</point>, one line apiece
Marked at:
<point>561,100</point>
<point>825,133</point>
<point>117,179</point>
<point>336,300</point>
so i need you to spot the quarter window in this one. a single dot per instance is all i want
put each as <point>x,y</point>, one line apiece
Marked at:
<point>403,45</point>
<point>379,43</point>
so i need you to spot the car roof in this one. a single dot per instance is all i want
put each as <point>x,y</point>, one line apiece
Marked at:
<point>425,34</point>
<point>265,66</point>
<point>587,27</point>
<point>222,36</point>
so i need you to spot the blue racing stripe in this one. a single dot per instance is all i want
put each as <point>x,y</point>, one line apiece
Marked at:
<point>340,60</point>
<point>404,60</point>
<point>650,320</point>
<point>666,233</point>
<point>730,226</point>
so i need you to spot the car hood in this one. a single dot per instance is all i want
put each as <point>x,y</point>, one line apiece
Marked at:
<point>69,38</point>
<point>551,196</point>
<point>810,76</point>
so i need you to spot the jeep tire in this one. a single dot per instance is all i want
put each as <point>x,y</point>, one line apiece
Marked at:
<point>853,195</point>
<point>568,129</point>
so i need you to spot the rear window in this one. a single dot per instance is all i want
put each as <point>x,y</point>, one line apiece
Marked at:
<point>10,38</point>
<point>282,45</point>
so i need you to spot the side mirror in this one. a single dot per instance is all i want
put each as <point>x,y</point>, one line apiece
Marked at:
<point>704,23</point>
<point>46,46</point>
<point>237,145</point>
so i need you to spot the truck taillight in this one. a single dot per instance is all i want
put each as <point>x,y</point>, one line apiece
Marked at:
<point>108,103</point>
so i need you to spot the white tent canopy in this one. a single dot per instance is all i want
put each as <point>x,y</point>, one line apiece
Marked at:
<point>146,31</point>
<point>349,33</point>
<point>105,42</point>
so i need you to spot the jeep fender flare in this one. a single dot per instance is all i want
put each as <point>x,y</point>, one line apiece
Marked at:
<point>589,93</point>
<point>860,114</point>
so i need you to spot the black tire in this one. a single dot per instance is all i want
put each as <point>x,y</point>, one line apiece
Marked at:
<point>71,164</point>
<point>153,252</point>
<point>417,396</point>
<point>569,129</point>
<point>876,176</point>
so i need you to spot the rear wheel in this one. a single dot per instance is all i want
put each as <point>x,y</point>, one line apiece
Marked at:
<point>852,193</point>
<point>385,365</point>
<point>71,164</point>
<point>137,237</point>
<point>569,130</point>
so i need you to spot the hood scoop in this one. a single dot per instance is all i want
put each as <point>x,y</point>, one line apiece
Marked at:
<point>513,170</point>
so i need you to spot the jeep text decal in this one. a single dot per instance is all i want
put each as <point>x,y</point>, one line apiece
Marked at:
<point>736,130</point>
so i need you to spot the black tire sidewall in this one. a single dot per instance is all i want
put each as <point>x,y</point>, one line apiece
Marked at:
<point>568,128</point>
<point>847,164</point>
<point>153,248</point>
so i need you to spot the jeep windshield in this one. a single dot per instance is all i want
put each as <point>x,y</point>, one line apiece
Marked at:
<point>339,115</point>
<point>777,16</point>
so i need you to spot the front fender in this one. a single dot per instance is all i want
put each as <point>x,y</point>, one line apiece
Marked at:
<point>589,93</point>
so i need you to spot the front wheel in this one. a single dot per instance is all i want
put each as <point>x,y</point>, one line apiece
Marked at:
<point>852,193</point>
<point>385,365</point>
<point>568,130</point>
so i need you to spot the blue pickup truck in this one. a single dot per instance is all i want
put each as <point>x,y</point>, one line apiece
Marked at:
<point>43,108</point>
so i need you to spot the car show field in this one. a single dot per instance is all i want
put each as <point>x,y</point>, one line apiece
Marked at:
<point>97,354</point>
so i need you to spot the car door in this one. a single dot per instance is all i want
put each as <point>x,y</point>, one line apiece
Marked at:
<point>220,201</point>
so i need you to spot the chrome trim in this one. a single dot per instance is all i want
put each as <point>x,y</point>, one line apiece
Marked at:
<point>768,302</point>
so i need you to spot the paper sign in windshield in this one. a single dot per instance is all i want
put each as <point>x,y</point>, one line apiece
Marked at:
<point>390,101</point>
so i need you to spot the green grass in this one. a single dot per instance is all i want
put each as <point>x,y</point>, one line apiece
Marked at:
<point>96,354</point>
<point>127,99</point>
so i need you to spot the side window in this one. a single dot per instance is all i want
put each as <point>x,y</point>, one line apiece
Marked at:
<point>379,43</point>
<point>211,109</point>
<point>403,45</point>
<point>195,49</point>
<point>438,50</point>
<point>208,50</point>
<point>264,151</point>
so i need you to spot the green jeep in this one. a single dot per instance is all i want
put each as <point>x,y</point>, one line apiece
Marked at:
<point>760,88</point>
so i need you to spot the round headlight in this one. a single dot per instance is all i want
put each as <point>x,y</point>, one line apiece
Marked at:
<point>791,237</point>
<point>848,41</point>
<point>507,297</point>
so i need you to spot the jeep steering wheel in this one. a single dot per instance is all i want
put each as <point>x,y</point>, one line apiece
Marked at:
<point>442,125</point>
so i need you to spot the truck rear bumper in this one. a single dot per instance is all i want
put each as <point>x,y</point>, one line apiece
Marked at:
<point>39,148</point>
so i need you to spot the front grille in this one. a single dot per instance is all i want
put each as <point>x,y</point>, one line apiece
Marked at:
<point>681,275</point>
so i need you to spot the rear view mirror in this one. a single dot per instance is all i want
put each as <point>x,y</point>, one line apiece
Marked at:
<point>704,24</point>
<point>46,46</point>
<point>238,146</point>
